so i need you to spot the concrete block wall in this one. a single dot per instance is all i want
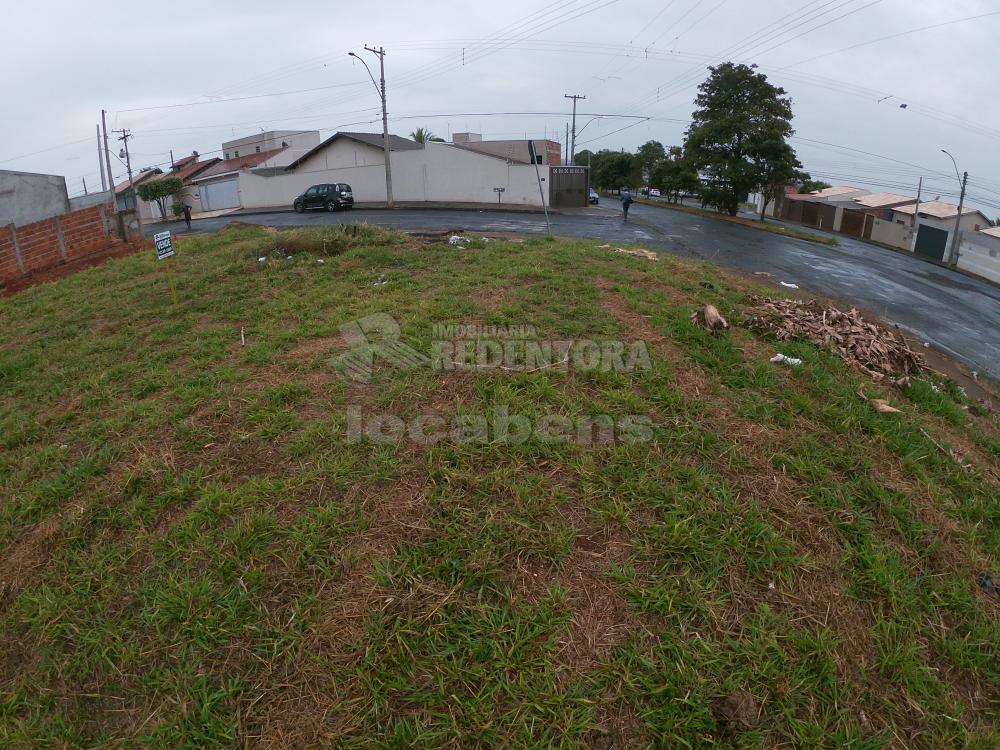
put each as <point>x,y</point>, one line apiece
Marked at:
<point>43,244</point>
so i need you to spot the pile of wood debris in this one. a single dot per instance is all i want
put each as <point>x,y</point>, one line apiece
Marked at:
<point>878,352</point>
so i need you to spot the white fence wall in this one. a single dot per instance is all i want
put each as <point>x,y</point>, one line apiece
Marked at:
<point>257,191</point>
<point>980,254</point>
<point>437,173</point>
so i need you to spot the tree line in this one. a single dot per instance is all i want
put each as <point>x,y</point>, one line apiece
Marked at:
<point>736,144</point>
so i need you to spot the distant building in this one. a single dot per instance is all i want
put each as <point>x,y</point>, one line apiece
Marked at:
<point>292,143</point>
<point>26,197</point>
<point>517,151</point>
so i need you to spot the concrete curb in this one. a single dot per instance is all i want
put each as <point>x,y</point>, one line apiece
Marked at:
<point>479,208</point>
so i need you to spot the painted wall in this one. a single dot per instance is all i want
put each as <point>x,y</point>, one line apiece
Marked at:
<point>257,191</point>
<point>892,233</point>
<point>980,254</point>
<point>26,197</point>
<point>86,201</point>
<point>437,173</point>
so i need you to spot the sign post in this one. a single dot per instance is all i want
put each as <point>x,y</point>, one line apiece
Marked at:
<point>541,194</point>
<point>164,250</point>
<point>499,191</point>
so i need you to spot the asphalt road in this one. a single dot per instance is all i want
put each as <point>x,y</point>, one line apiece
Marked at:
<point>955,314</point>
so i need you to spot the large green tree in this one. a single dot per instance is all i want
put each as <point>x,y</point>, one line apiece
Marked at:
<point>613,170</point>
<point>675,176</point>
<point>738,135</point>
<point>159,190</point>
<point>646,157</point>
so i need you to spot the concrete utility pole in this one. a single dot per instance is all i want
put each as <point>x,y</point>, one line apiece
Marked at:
<point>572,149</point>
<point>100,160</point>
<point>964,180</point>
<point>916,216</point>
<point>107,156</point>
<point>566,147</point>
<point>389,203</point>
<point>125,135</point>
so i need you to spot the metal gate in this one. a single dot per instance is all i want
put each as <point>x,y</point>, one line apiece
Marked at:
<point>568,187</point>
<point>218,195</point>
<point>853,223</point>
<point>931,243</point>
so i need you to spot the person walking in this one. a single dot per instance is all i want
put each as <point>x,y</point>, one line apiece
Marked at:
<point>626,202</point>
<point>187,216</point>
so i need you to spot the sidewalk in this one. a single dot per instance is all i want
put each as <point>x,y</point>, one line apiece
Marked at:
<point>416,205</point>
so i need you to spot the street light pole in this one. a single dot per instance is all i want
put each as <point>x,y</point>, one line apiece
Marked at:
<point>963,181</point>
<point>389,203</point>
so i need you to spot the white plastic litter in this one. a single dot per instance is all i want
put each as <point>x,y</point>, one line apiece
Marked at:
<point>380,281</point>
<point>792,361</point>
<point>456,239</point>
<point>262,260</point>
<point>790,286</point>
<point>320,260</point>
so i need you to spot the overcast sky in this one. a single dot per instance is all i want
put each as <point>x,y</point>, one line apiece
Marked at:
<point>449,65</point>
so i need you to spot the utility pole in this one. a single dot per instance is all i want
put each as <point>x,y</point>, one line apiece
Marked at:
<point>572,148</point>
<point>84,185</point>
<point>953,255</point>
<point>566,147</point>
<point>107,157</point>
<point>389,203</point>
<point>125,135</point>
<point>916,216</point>
<point>964,180</point>
<point>100,161</point>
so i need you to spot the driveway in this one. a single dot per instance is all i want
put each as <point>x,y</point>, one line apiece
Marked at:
<point>955,314</point>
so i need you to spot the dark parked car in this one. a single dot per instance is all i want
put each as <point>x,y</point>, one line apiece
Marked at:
<point>593,198</point>
<point>332,197</point>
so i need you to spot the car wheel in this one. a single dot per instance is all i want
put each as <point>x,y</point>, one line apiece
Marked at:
<point>331,206</point>
<point>299,208</point>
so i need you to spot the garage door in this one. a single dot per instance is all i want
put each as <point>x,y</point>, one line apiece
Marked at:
<point>219,195</point>
<point>931,243</point>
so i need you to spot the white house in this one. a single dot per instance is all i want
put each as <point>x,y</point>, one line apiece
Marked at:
<point>979,253</point>
<point>934,222</point>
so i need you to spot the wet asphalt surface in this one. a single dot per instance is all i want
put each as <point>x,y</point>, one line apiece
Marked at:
<point>955,314</point>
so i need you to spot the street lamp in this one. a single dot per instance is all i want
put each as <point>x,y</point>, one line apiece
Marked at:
<point>963,180</point>
<point>385,117</point>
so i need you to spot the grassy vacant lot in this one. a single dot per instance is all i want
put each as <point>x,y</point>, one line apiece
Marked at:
<point>193,554</point>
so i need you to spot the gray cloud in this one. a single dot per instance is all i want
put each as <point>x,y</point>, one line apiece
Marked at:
<point>63,61</point>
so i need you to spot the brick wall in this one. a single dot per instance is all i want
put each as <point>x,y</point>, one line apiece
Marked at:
<point>35,247</point>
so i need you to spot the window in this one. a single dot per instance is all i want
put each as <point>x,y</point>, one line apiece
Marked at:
<point>901,222</point>
<point>236,154</point>
<point>978,227</point>
<point>258,149</point>
<point>538,159</point>
<point>226,154</point>
<point>312,192</point>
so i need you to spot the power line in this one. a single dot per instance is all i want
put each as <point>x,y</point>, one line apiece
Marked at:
<point>897,35</point>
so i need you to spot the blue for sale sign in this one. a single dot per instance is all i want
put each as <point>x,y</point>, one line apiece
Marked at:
<point>164,245</point>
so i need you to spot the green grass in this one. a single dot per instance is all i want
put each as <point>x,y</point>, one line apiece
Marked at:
<point>195,553</point>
